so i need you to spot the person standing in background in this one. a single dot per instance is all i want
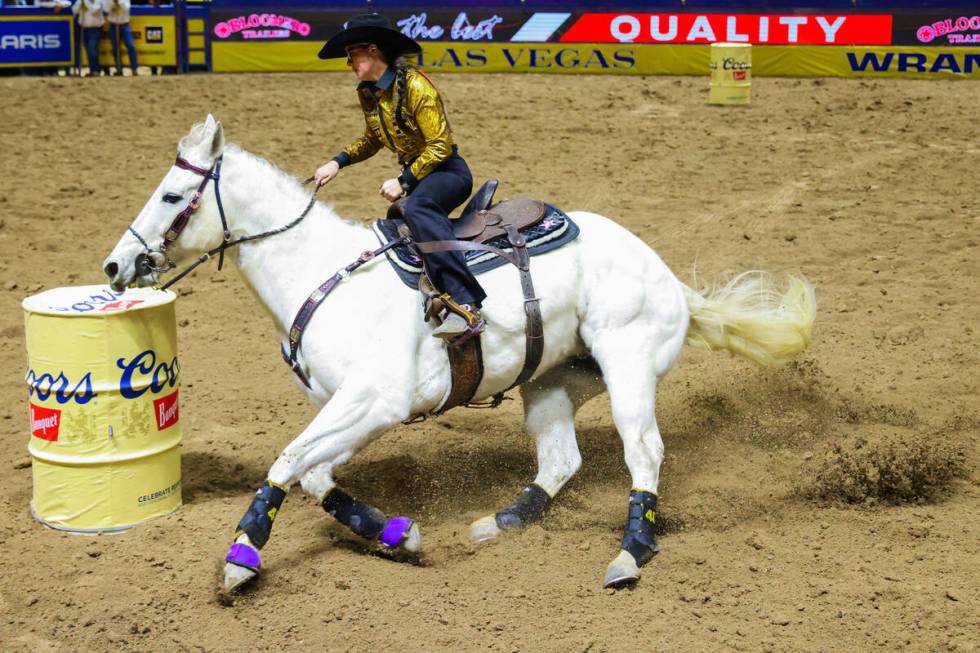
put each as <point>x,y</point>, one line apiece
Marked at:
<point>117,11</point>
<point>90,19</point>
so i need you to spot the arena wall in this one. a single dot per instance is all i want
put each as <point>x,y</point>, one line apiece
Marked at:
<point>830,38</point>
<point>859,38</point>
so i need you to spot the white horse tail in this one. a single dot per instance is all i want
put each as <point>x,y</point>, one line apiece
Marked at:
<point>755,316</point>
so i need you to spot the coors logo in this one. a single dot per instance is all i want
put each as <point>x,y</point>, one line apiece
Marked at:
<point>165,409</point>
<point>45,422</point>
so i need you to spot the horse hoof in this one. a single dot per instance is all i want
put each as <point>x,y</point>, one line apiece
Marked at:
<point>484,529</point>
<point>621,571</point>
<point>237,577</point>
<point>413,539</point>
<point>242,565</point>
<point>402,532</point>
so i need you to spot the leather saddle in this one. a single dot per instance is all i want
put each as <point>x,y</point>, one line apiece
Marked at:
<point>481,220</point>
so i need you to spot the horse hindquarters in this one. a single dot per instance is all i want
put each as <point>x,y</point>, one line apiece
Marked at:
<point>634,320</point>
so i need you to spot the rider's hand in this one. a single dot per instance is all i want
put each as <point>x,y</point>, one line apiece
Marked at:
<point>326,172</point>
<point>391,190</point>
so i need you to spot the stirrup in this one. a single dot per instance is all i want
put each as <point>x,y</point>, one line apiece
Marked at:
<point>473,319</point>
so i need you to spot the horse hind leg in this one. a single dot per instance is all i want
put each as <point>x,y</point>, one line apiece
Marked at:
<point>631,379</point>
<point>550,404</point>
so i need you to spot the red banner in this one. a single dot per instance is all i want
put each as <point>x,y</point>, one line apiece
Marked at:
<point>769,29</point>
<point>166,410</point>
<point>45,422</point>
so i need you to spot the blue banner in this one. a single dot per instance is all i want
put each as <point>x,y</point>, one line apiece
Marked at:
<point>36,41</point>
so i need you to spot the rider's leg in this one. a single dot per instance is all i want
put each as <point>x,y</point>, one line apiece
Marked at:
<point>426,212</point>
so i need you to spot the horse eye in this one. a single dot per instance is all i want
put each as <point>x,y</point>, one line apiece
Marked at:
<point>172,198</point>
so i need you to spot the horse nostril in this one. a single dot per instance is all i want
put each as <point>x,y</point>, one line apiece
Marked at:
<point>111,270</point>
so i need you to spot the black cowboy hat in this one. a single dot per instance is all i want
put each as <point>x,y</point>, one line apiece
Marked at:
<point>369,28</point>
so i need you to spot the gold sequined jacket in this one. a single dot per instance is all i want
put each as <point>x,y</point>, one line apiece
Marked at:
<point>427,140</point>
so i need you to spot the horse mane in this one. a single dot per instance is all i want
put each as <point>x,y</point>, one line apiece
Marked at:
<point>283,179</point>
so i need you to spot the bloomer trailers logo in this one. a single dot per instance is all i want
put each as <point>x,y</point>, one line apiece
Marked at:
<point>766,29</point>
<point>957,31</point>
<point>262,26</point>
<point>36,41</point>
<point>45,422</point>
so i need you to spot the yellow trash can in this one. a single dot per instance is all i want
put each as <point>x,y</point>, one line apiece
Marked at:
<point>102,381</point>
<point>731,73</point>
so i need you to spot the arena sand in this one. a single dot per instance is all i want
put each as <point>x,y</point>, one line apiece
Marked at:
<point>867,187</point>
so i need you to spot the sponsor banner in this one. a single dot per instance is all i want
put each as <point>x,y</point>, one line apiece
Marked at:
<point>866,61</point>
<point>158,495</point>
<point>36,41</point>
<point>166,411</point>
<point>155,37</point>
<point>45,422</point>
<point>769,29</point>
<point>455,57</point>
<point>270,24</point>
<point>638,59</point>
<point>939,28</point>
<point>511,25</point>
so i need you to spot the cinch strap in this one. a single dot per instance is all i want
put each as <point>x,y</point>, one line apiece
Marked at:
<point>257,522</point>
<point>638,538</point>
<point>366,521</point>
<point>528,508</point>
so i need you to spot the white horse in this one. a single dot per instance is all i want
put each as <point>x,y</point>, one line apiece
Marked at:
<point>615,320</point>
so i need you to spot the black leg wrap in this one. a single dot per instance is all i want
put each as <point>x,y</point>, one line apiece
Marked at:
<point>528,508</point>
<point>257,522</point>
<point>638,538</point>
<point>367,521</point>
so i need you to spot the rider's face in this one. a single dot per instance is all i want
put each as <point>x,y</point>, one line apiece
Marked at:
<point>361,58</point>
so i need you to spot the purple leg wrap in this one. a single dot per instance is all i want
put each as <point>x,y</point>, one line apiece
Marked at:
<point>395,531</point>
<point>244,556</point>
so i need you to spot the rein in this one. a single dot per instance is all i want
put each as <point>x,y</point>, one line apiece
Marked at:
<point>158,261</point>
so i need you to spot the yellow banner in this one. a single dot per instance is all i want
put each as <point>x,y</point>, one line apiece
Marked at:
<point>626,59</point>
<point>155,38</point>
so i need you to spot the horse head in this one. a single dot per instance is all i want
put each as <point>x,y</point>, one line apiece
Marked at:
<point>182,206</point>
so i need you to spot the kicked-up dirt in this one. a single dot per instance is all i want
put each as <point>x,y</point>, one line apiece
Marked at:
<point>828,505</point>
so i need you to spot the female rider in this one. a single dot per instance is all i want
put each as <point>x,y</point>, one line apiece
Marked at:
<point>404,112</point>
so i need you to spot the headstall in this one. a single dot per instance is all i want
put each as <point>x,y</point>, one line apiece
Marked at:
<point>158,261</point>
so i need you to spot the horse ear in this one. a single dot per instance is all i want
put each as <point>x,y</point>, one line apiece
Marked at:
<point>217,138</point>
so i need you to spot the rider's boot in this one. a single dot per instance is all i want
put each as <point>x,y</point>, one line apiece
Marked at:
<point>460,322</point>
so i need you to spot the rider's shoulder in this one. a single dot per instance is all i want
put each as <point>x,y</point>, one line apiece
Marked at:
<point>417,81</point>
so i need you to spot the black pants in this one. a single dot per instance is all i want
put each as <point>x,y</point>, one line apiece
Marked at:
<point>427,211</point>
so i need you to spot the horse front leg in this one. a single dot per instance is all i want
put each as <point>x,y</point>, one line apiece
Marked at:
<point>355,416</point>
<point>361,518</point>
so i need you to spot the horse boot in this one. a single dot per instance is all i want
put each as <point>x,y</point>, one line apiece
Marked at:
<point>460,322</point>
<point>639,543</point>
<point>243,562</point>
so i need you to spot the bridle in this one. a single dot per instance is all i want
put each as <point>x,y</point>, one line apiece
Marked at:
<point>157,260</point>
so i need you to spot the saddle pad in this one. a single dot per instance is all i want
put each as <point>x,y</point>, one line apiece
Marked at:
<point>552,232</point>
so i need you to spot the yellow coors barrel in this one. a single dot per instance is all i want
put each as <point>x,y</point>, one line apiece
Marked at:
<point>731,73</point>
<point>102,381</point>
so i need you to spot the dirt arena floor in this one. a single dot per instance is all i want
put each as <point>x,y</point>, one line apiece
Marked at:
<point>867,187</point>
